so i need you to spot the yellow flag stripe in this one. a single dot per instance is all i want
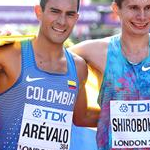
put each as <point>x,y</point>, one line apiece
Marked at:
<point>71,83</point>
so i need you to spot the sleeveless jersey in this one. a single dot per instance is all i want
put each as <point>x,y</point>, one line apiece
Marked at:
<point>36,112</point>
<point>124,98</point>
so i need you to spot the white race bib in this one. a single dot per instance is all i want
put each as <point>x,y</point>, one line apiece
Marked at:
<point>45,128</point>
<point>130,124</point>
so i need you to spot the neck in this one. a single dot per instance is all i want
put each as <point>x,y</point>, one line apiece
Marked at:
<point>47,49</point>
<point>135,49</point>
<point>134,43</point>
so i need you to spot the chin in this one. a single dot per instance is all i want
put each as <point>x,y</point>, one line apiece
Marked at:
<point>140,31</point>
<point>59,42</point>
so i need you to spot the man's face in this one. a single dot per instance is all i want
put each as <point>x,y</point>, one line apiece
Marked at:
<point>58,19</point>
<point>135,16</point>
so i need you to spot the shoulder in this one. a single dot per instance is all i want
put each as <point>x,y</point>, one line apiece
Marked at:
<point>90,49</point>
<point>10,51</point>
<point>94,44</point>
<point>91,44</point>
<point>94,51</point>
<point>11,47</point>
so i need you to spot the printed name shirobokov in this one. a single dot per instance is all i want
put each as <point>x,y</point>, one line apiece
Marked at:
<point>131,125</point>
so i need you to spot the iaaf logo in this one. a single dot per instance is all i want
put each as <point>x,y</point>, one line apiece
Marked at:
<point>134,107</point>
<point>50,115</point>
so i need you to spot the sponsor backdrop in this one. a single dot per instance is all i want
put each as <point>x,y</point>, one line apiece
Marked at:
<point>98,14</point>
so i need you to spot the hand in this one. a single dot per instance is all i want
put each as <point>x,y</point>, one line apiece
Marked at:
<point>5,33</point>
<point>4,40</point>
<point>9,37</point>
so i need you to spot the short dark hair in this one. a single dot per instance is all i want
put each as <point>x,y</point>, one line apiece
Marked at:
<point>119,3</point>
<point>44,2</point>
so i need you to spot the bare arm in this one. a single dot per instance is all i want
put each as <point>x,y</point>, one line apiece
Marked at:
<point>10,58</point>
<point>94,52</point>
<point>83,114</point>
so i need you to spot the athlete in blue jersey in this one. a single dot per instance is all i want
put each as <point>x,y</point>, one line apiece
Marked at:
<point>42,85</point>
<point>124,63</point>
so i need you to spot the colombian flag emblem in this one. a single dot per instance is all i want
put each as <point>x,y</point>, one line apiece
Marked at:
<point>72,84</point>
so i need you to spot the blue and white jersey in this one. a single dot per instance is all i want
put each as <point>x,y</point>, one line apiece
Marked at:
<point>36,112</point>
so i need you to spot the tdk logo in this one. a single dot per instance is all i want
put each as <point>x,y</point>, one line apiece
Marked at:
<point>123,108</point>
<point>50,115</point>
<point>141,107</point>
<point>37,113</point>
<point>55,116</point>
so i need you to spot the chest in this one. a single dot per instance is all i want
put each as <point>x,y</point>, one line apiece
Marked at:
<point>52,66</point>
<point>128,81</point>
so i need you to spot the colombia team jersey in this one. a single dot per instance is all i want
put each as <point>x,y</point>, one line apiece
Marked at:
<point>124,122</point>
<point>36,112</point>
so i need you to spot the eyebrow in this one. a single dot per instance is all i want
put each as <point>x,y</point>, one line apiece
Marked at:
<point>138,5</point>
<point>147,6</point>
<point>70,11</point>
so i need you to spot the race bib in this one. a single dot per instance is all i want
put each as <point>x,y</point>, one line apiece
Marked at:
<point>45,128</point>
<point>130,124</point>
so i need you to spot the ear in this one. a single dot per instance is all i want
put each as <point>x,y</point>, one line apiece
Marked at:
<point>38,12</point>
<point>77,17</point>
<point>115,8</point>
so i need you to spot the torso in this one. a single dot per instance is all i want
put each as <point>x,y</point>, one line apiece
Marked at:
<point>124,85</point>
<point>35,99</point>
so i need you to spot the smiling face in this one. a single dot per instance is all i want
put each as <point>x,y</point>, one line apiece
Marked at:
<point>57,20</point>
<point>134,16</point>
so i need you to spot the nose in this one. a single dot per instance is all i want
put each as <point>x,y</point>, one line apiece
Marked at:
<point>61,19</point>
<point>141,14</point>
